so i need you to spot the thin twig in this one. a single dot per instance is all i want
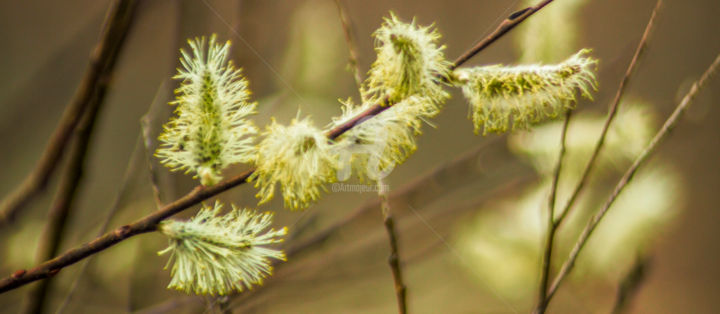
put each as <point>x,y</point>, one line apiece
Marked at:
<point>197,195</point>
<point>551,227</point>
<point>504,27</point>
<point>61,209</point>
<point>59,214</point>
<point>425,189</point>
<point>459,164</point>
<point>147,137</point>
<point>388,221</point>
<point>394,258</point>
<point>610,117</point>
<point>670,123</point>
<point>121,195</point>
<point>352,48</point>
<point>102,61</point>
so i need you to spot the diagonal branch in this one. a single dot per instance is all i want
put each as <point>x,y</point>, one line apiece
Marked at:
<point>61,209</point>
<point>120,196</point>
<point>611,116</point>
<point>200,193</point>
<point>102,64</point>
<point>670,123</point>
<point>504,27</point>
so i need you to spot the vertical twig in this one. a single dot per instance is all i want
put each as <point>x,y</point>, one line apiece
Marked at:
<point>102,61</point>
<point>670,123</point>
<point>130,169</point>
<point>550,225</point>
<point>60,211</point>
<point>147,139</point>
<point>394,259</point>
<point>610,117</point>
<point>352,48</point>
<point>117,29</point>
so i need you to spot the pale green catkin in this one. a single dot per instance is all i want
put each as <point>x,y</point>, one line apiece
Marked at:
<point>408,63</point>
<point>216,255</point>
<point>502,97</point>
<point>211,130</point>
<point>299,158</point>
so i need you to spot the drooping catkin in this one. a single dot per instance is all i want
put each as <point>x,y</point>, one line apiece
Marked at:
<point>215,255</point>
<point>299,158</point>
<point>374,147</point>
<point>502,97</point>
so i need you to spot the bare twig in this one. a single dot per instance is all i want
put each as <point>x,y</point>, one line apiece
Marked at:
<point>422,190</point>
<point>60,212</point>
<point>394,258</point>
<point>121,195</point>
<point>147,137</point>
<point>459,164</point>
<point>197,195</point>
<point>352,48</point>
<point>551,227</point>
<point>102,62</point>
<point>61,209</point>
<point>610,117</point>
<point>670,123</point>
<point>388,221</point>
<point>505,26</point>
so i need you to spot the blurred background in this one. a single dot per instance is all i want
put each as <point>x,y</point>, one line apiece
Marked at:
<point>466,243</point>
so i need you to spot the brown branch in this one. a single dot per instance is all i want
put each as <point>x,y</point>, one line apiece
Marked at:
<point>420,191</point>
<point>388,221</point>
<point>60,212</point>
<point>425,189</point>
<point>505,26</point>
<point>197,195</point>
<point>610,117</point>
<point>394,258</point>
<point>102,61</point>
<point>122,193</point>
<point>69,187</point>
<point>550,225</point>
<point>458,165</point>
<point>670,123</point>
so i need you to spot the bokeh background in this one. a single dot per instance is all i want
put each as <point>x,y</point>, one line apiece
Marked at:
<point>295,56</point>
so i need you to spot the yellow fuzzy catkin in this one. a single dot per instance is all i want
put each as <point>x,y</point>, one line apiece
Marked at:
<point>211,129</point>
<point>215,255</point>
<point>408,63</point>
<point>374,147</point>
<point>299,158</point>
<point>502,97</point>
